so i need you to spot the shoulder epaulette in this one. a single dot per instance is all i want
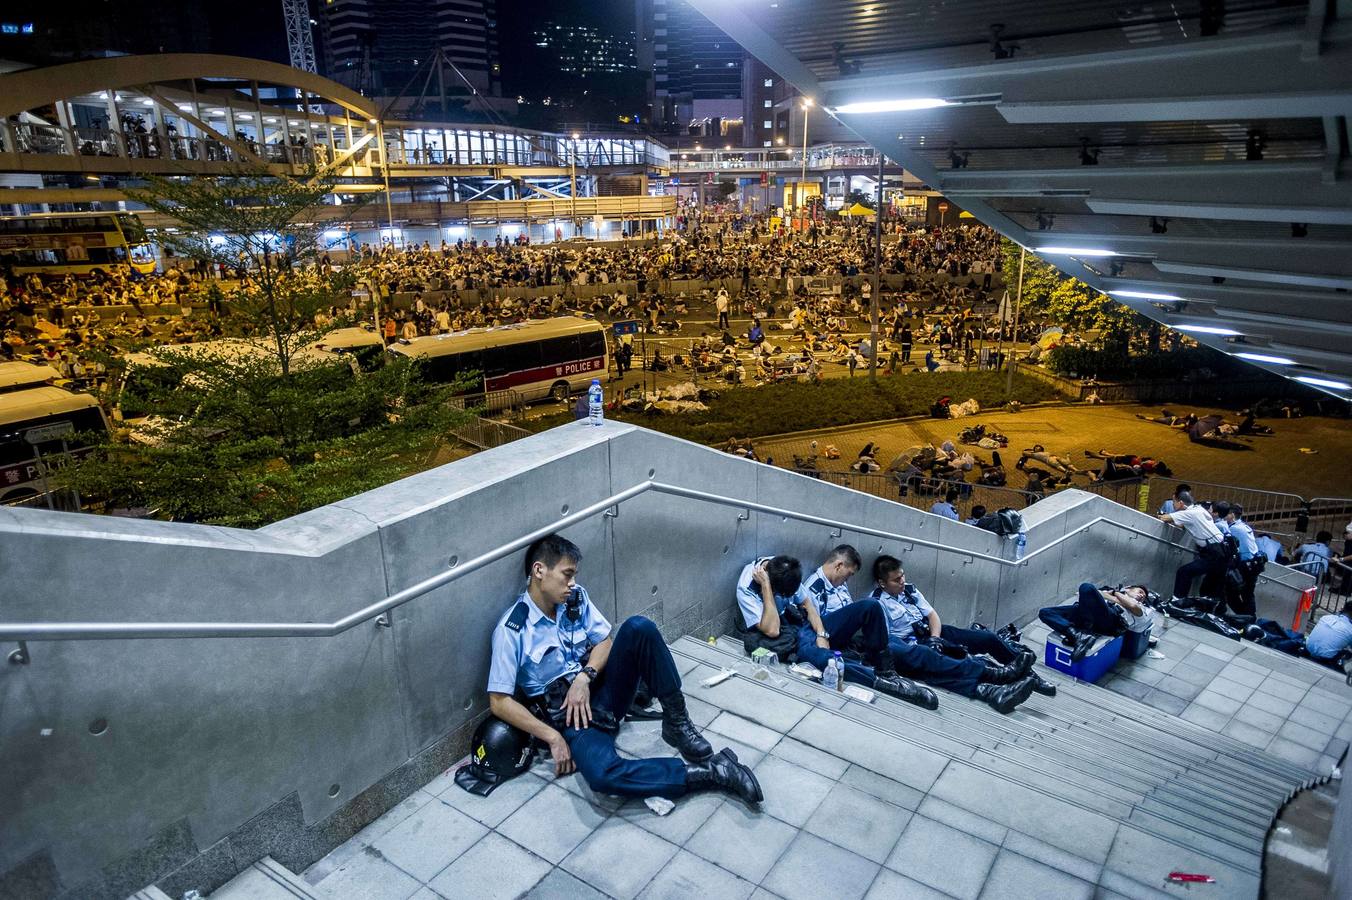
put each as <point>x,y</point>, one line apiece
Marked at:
<point>517,620</point>
<point>818,587</point>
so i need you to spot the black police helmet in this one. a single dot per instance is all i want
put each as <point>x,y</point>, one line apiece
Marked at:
<point>498,753</point>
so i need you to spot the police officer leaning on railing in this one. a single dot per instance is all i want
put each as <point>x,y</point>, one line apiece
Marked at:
<point>559,675</point>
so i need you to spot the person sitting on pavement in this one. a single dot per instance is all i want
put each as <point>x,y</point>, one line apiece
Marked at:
<point>767,590</point>
<point>834,619</point>
<point>1329,642</point>
<point>945,506</point>
<point>552,647</point>
<point>1004,682</point>
<point>1098,613</point>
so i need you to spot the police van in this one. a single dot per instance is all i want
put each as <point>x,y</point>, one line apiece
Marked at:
<point>550,358</point>
<point>42,429</point>
<point>20,376</point>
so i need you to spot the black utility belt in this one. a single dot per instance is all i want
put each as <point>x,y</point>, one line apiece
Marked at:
<point>548,707</point>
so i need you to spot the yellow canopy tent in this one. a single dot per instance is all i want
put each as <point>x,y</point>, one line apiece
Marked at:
<point>859,209</point>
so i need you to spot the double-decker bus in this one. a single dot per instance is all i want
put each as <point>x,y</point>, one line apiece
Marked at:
<point>42,429</point>
<point>57,244</point>
<point>551,358</point>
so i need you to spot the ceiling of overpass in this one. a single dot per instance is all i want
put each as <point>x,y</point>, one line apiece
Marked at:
<point>1203,144</point>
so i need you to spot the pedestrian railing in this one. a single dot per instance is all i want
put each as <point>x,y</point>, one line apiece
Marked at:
<point>486,434</point>
<point>377,612</point>
<point>922,492</point>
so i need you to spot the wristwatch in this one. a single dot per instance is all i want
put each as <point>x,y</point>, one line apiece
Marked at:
<point>823,634</point>
<point>590,673</point>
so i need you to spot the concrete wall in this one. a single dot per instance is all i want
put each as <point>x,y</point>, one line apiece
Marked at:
<point>218,751</point>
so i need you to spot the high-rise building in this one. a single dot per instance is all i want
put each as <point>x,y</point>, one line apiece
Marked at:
<point>584,50</point>
<point>696,68</point>
<point>376,46</point>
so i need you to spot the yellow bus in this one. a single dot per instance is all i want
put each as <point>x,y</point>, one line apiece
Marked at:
<point>56,244</point>
<point>550,358</point>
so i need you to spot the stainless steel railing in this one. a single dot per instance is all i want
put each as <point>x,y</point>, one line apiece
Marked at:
<point>86,631</point>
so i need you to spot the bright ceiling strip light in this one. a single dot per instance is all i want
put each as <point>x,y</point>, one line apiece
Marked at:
<point>1146,295</point>
<point>1265,358</point>
<point>1325,383</point>
<point>885,106</point>
<point>1075,251</point>
<point>1207,329</point>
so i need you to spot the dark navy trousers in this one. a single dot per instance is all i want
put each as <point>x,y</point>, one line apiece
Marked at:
<point>930,666</point>
<point>1090,612</point>
<point>638,652</point>
<point>979,640</point>
<point>865,618</point>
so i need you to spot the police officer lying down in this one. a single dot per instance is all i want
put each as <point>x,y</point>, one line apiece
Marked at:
<point>560,674</point>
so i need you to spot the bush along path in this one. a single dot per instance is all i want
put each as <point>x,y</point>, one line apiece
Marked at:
<point>779,408</point>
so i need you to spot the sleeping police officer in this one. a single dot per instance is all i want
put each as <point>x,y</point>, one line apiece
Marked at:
<point>835,619</point>
<point>559,674</point>
<point>1002,686</point>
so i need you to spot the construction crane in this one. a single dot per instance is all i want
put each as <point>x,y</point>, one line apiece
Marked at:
<point>299,39</point>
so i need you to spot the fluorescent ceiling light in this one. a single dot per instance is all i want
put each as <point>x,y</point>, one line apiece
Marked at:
<point>1075,251</point>
<point>1325,383</point>
<point>1146,295</point>
<point>1207,329</point>
<point>884,106</point>
<point>1265,358</point>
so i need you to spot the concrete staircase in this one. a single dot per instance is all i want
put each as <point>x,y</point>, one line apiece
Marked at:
<point>1097,774</point>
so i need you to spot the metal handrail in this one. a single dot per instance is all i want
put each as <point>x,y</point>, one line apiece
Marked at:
<point>85,631</point>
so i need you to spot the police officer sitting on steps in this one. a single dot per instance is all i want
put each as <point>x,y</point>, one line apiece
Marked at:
<point>1002,686</point>
<point>834,619</point>
<point>559,674</point>
<point>767,592</point>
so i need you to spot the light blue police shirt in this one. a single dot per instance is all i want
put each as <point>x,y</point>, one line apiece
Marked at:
<point>903,612</point>
<point>945,509</point>
<point>1270,547</point>
<point>532,650</point>
<point>1248,546</point>
<point>827,598</point>
<point>1330,636</point>
<point>1312,559</point>
<point>749,599</point>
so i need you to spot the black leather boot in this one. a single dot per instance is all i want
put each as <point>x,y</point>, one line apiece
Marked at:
<point>908,690</point>
<point>1007,674</point>
<point>722,772</point>
<point>883,665</point>
<point>1041,685</point>
<point>680,732</point>
<point>1084,642</point>
<point>1004,697</point>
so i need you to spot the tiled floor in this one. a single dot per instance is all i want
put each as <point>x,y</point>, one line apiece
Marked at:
<point>1292,708</point>
<point>849,812</point>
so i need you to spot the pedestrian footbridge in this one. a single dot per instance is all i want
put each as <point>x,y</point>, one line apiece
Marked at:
<point>278,713</point>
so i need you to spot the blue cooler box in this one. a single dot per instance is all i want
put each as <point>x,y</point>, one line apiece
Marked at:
<point>1092,667</point>
<point>1135,643</point>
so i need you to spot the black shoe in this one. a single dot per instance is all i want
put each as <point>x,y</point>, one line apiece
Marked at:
<point>1254,633</point>
<point>1010,633</point>
<point>1008,674</point>
<point>1004,697</point>
<point>1041,685</point>
<point>884,666</point>
<point>908,690</point>
<point>722,772</point>
<point>680,732</point>
<point>1084,642</point>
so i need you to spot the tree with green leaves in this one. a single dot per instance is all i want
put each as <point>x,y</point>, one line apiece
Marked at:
<point>250,430</point>
<point>1051,294</point>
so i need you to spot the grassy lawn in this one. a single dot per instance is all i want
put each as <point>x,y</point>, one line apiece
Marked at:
<point>835,402</point>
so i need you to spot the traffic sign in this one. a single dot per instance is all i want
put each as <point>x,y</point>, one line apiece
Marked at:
<point>629,327</point>
<point>45,433</point>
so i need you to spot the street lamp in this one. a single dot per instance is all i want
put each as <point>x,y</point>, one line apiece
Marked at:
<point>572,182</point>
<point>802,181</point>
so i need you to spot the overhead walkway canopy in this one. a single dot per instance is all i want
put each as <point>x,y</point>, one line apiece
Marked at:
<point>1194,153</point>
<point>181,113</point>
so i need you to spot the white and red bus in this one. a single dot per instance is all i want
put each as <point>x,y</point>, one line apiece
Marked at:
<point>550,358</point>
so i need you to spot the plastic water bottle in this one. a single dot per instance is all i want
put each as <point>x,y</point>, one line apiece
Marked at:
<point>596,412</point>
<point>833,676</point>
<point>840,671</point>
<point>1020,545</point>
